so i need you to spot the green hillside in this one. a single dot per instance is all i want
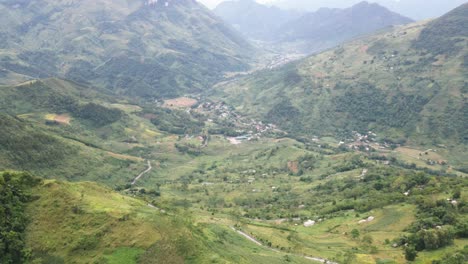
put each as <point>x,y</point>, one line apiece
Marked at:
<point>407,83</point>
<point>54,129</point>
<point>60,222</point>
<point>354,155</point>
<point>137,47</point>
<point>206,191</point>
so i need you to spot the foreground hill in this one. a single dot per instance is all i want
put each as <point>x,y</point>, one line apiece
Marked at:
<point>61,222</point>
<point>406,83</point>
<point>137,47</point>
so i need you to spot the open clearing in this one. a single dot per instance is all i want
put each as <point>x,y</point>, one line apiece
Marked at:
<point>181,102</point>
<point>61,119</point>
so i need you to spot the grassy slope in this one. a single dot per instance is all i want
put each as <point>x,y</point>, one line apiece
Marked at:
<point>84,222</point>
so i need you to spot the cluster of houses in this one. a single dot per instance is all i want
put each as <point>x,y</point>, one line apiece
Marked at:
<point>363,142</point>
<point>281,59</point>
<point>249,128</point>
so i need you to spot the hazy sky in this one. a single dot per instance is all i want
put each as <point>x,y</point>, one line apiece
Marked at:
<point>416,9</point>
<point>214,3</point>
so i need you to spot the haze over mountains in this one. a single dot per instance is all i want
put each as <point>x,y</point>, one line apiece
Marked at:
<point>152,131</point>
<point>308,32</point>
<point>415,9</point>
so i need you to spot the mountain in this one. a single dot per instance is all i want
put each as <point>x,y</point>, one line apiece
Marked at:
<point>412,8</point>
<point>406,83</point>
<point>307,32</point>
<point>415,9</point>
<point>255,20</point>
<point>337,25</point>
<point>137,47</point>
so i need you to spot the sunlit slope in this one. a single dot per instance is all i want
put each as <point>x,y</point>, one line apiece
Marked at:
<point>88,223</point>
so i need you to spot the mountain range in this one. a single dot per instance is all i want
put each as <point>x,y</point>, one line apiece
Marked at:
<point>310,31</point>
<point>415,9</point>
<point>138,47</point>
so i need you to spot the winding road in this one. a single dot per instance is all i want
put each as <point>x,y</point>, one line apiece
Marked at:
<point>252,239</point>
<point>143,173</point>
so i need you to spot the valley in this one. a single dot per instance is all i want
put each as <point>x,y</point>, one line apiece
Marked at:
<point>153,132</point>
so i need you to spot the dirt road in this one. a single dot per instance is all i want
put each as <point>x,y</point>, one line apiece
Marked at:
<point>143,173</point>
<point>252,239</point>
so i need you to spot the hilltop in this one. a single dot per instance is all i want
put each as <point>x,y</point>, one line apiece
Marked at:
<point>138,47</point>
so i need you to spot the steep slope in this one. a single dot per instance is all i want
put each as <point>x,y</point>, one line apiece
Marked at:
<point>255,20</point>
<point>384,83</point>
<point>55,129</point>
<point>137,47</point>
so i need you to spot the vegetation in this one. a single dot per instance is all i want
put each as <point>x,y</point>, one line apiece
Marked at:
<point>384,83</point>
<point>445,35</point>
<point>366,164</point>
<point>14,195</point>
<point>189,48</point>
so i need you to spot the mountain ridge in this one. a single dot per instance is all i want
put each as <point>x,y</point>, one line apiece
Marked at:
<point>307,32</point>
<point>169,49</point>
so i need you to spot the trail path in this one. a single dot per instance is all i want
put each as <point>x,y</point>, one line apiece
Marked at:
<point>252,239</point>
<point>143,173</point>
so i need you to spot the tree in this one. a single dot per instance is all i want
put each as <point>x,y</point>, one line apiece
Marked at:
<point>355,233</point>
<point>410,253</point>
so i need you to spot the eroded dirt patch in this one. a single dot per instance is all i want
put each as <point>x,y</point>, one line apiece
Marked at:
<point>181,102</point>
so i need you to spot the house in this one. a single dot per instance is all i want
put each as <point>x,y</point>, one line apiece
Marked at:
<point>309,223</point>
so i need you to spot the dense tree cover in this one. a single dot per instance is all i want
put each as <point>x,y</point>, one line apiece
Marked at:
<point>97,114</point>
<point>52,97</point>
<point>14,195</point>
<point>438,37</point>
<point>176,121</point>
<point>284,113</point>
<point>27,147</point>
<point>371,105</point>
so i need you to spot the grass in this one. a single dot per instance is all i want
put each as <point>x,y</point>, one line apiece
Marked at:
<point>203,195</point>
<point>124,256</point>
